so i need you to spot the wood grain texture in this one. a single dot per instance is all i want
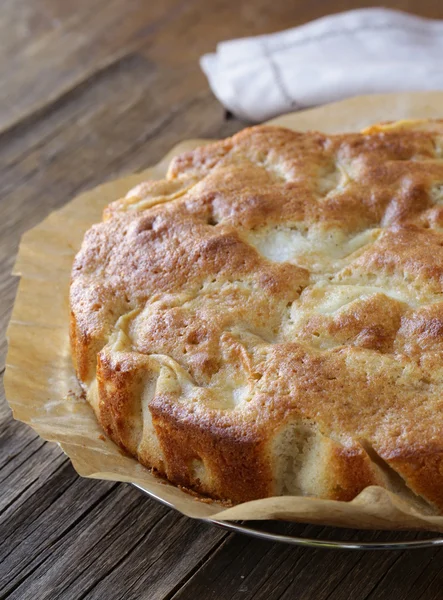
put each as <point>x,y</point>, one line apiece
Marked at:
<point>91,90</point>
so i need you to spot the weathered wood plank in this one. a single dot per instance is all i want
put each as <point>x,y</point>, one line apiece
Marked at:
<point>59,45</point>
<point>248,569</point>
<point>122,536</point>
<point>47,176</point>
<point>41,461</point>
<point>31,540</point>
<point>91,90</point>
<point>430,586</point>
<point>52,46</point>
<point>409,572</point>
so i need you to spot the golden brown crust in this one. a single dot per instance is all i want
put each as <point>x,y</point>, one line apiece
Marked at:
<point>269,318</point>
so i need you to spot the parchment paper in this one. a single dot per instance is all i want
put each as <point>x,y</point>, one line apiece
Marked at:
<point>40,384</point>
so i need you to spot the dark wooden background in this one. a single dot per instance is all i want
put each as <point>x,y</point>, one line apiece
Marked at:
<point>91,89</point>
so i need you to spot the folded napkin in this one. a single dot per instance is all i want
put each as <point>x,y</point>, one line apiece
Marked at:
<point>363,51</point>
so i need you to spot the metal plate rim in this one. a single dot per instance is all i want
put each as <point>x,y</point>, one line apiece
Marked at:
<point>236,527</point>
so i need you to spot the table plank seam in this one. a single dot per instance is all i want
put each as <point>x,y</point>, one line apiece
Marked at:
<point>86,183</point>
<point>20,580</point>
<point>318,553</point>
<point>97,542</point>
<point>202,562</point>
<point>383,576</point>
<point>69,93</point>
<point>330,594</point>
<point>14,500</point>
<point>391,565</point>
<point>287,554</point>
<point>152,133</point>
<point>431,581</point>
<point>423,570</point>
<point>9,421</point>
<point>18,452</point>
<point>400,556</point>
<point>58,468</point>
<point>37,516</point>
<point>286,588</point>
<point>123,558</point>
<point>176,518</point>
<point>67,98</point>
<point>16,467</point>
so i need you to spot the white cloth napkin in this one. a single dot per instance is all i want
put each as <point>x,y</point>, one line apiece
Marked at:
<point>365,51</point>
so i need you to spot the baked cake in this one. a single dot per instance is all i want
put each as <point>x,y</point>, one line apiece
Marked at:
<point>268,319</point>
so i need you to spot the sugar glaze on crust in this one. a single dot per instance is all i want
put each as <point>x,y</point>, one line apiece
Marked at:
<point>268,319</point>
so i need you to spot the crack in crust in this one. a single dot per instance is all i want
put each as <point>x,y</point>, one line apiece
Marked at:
<point>242,325</point>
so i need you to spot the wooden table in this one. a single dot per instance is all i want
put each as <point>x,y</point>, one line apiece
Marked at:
<point>89,90</point>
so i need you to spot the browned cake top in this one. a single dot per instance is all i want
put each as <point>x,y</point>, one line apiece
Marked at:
<point>279,273</point>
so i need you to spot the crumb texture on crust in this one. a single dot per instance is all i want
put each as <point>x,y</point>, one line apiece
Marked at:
<point>269,318</point>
